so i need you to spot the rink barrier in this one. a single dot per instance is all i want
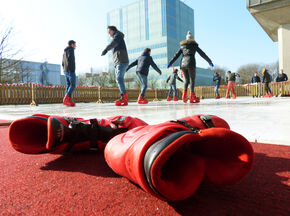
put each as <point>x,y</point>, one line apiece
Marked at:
<point>34,94</point>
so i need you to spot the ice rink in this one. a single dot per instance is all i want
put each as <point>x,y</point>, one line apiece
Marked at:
<point>265,120</point>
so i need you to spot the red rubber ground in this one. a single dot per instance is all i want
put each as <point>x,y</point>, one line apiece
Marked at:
<point>82,184</point>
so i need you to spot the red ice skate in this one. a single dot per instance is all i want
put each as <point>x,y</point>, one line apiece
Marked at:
<point>170,160</point>
<point>123,101</point>
<point>142,100</point>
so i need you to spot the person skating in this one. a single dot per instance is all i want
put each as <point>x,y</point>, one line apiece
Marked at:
<point>256,80</point>
<point>121,61</point>
<point>231,81</point>
<point>172,82</point>
<point>217,81</point>
<point>69,67</point>
<point>188,49</point>
<point>267,80</point>
<point>143,63</point>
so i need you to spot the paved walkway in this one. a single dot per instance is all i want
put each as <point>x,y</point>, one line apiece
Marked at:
<point>263,120</point>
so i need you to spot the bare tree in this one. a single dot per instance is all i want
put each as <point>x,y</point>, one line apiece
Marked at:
<point>112,80</point>
<point>25,73</point>
<point>21,72</point>
<point>247,71</point>
<point>152,82</point>
<point>130,80</point>
<point>164,84</point>
<point>7,53</point>
<point>222,72</point>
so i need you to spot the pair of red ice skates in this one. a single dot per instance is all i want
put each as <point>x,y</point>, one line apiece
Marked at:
<point>123,101</point>
<point>168,160</point>
<point>174,98</point>
<point>269,95</point>
<point>192,98</point>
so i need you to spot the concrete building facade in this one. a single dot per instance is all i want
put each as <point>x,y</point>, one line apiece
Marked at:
<point>274,17</point>
<point>42,73</point>
<point>36,72</point>
<point>156,24</point>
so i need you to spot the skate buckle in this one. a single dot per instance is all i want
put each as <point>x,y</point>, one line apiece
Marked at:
<point>184,123</point>
<point>207,120</point>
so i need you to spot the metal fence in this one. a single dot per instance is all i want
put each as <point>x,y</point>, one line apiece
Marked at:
<point>36,94</point>
<point>251,3</point>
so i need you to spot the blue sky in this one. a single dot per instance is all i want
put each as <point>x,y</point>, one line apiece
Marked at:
<point>224,29</point>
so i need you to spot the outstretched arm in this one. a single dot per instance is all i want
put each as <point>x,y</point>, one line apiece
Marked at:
<point>179,79</point>
<point>168,79</point>
<point>203,55</point>
<point>152,63</point>
<point>114,43</point>
<point>175,57</point>
<point>133,64</point>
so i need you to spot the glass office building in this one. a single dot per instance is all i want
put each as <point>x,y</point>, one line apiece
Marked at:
<point>156,24</point>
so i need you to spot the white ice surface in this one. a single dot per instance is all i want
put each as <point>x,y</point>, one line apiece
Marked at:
<point>264,120</point>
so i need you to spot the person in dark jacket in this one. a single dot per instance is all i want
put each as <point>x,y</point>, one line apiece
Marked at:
<point>121,61</point>
<point>267,80</point>
<point>188,48</point>
<point>172,82</point>
<point>256,80</point>
<point>282,77</point>
<point>231,80</point>
<point>217,80</point>
<point>69,67</point>
<point>143,63</point>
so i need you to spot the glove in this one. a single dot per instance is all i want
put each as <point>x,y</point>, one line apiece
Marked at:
<point>70,74</point>
<point>104,52</point>
<point>168,66</point>
<point>211,64</point>
<point>160,73</point>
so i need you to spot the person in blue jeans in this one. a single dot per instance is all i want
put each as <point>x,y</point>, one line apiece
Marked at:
<point>69,67</point>
<point>172,81</point>
<point>121,60</point>
<point>217,81</point>
<point>143,63</point>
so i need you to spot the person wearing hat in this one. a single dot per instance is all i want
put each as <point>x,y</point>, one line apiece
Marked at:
<point>188,48</point>
<point>267,80</point>
<point>69,67</point>
<point>172,82</point>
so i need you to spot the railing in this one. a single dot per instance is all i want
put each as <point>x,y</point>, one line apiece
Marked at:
<point>251,3</point>
<point>35,94</point>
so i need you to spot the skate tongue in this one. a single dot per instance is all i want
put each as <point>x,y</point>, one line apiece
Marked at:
<point>56,133</point>
<point>171,170</point>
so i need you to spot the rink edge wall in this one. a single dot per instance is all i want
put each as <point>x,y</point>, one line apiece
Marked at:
<point>37,94</point>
